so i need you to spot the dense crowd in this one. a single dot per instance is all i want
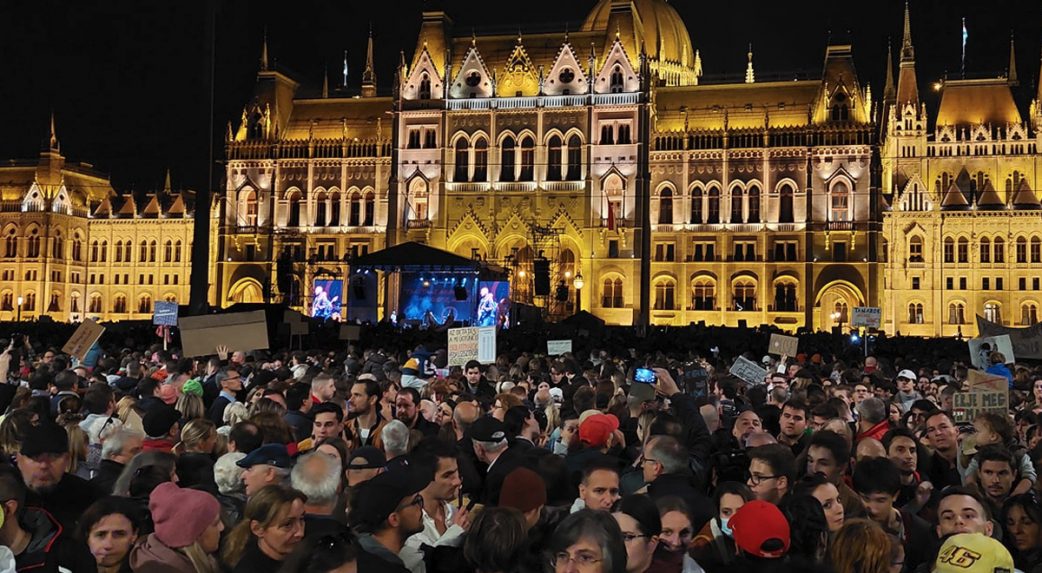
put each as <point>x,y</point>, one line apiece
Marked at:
<point>378,456</point>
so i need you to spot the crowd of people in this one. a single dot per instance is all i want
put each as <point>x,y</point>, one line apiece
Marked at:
<point>379,456</point>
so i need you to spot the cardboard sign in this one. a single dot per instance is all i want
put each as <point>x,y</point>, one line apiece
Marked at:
<point>981,349</point>
<point>983,393</point>
<point>350,332</point>
<point>85,336</point>
<point>749,371</point>
<point>472,343</point>
<point>866,316</point>
<point>165,313</point>
<point>558,347</point>
<point>784,345</point>
<point>239,331</point>
<point>1027,342</point>
<point>298,323</point>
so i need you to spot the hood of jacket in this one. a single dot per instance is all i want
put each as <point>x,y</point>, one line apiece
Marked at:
<point>151,555</point>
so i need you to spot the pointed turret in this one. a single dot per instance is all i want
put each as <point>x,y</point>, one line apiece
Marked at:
<point>1036,106</point>
<point>750,75</point>
<point>369,74</point>
<point>1011,73</point>
<point>52,142</point>
<point>907,85</point>
<point>167,188</point>
<point>889,93</point>
<point>264,52</point>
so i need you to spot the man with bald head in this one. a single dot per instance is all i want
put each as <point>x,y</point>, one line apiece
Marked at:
<point>746,423</point>
<point>869,448</point>
<point>471,470</point>
<point>757,439</point>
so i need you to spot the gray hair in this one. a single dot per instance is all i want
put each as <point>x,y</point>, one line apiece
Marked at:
<point>598,526</point>
<point>227,474</point>
<point>112,443</point>
<point>669,452</point>
<point>396,438</point>
<point>872,410</point>
<point>317,475</point>
<point>492,447</point>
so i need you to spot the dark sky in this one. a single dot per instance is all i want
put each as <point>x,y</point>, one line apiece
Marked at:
<point>127,79</point>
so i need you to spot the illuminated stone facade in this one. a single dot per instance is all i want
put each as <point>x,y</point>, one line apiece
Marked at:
<point>73,248</point>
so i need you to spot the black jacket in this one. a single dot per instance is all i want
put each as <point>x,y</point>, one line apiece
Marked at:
<point>216,412</point>
<point>67,501</point>
<point>254,560</point>
<point>680,485</point>
<point>507,462</point>
<point>300,423</point>
<point>51,546</point>
<point>105,478</point>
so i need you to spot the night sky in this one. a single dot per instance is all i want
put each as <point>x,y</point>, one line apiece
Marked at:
<point>126,78</point>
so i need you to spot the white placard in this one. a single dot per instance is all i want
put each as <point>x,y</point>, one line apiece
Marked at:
<point>558,347</point>
<point>866,316</point>
<point>749,371</point>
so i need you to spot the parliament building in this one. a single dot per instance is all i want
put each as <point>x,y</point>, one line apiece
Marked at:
<point>774,200</point>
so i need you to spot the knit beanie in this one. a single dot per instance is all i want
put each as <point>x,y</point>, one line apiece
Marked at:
<point>523,490</point>
<point>181,515</point>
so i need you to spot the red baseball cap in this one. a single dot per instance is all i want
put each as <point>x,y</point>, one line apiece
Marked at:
<point>595,430</point>
<point>761,530</point>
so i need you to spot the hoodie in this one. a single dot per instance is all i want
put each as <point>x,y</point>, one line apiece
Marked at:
<point>151,555</point>
<point>50,547</point>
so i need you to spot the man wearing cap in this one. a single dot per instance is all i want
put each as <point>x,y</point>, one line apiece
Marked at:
<point>760,532</point>
<point>267,465</point>
<point>598,435</point>
<point>490,446</point>
<point>386,511</point>
<point>162,429</point>
<point>906,394</point>
<point>230,382</point>
<point>42,461</point>
<point>365,463</point>
<point>973,553</point>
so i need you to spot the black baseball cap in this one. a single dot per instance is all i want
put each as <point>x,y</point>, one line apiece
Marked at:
<point>374,458</point>
<point>381,496</point>
<point>488,429</point>
<point>47,438</point>
<point>269,454</point>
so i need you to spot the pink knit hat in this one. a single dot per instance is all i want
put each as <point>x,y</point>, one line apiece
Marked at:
<point>181,515</point>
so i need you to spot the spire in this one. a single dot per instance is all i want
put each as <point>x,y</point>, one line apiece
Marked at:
<point>889,93</point>
<point>369,75</point>
<point>750,76</point>
<point>907,85</point>
<point>53,141</point>
<point>264,52</point>
<point>1011,74</point>
<point>907,51</point>
<point>167,188</point>
<point>325,83</point>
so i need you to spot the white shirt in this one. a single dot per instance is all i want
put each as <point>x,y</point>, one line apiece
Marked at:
<point>411,554</point>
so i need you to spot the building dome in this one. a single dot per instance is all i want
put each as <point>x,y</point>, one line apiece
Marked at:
<point>664,34</point>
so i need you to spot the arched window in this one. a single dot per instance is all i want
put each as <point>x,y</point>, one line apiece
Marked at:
<point>839,311</point>
<point>370,208</point>
<point>713,215</point>
<point>142,254</point>
<point>665,207</point>
<point>354,209</point>
<point>956,313</point>
<point>703,295</point>
<point>611,294</point>
<point>58,246</point>
<point>840,201</point>
<point>553,159</point>
<point>425,86</point>
<point>7,301</point>
<point>696,206</point>
<point>334,209</point>
<point>118,255</point>
<point>1036,250</point>
<point>144,304</point>
<point>33,250</point>
<point>785,297</point>
<point>29,303</point>
<point>321,209</point>
<point>993,312</point>
<point>665,295</point>
<point>480,160</point>
<point>1000,250</point>
<point>915,249</point>
<point>985,250</point>
<point>736,205</point>
<point>104,251</point>
<point>95,303</point>
<point>527,159</point>
<point>964,250</point>
<point>168,251</point>
<point>840,110</point>
<point>74,302</point>
<point>55,304</point>
<point>119,304</point>
<point>152,248</point>
<point>418,199</point>
<point>754,204</point>
<point>785,210</point>
<point>949,250</point>
<point>613,195</point>
<point>617,80</point>
<point>293,204</point>
<point>506,169</point>
<point>77,248</point>
<point>177,251</point>
<point>1022,250</point>
<point>915,313</point>
<point>93,251</point>
<point>1028,313</point>
<point>462,160</point>
<point>248,207</point>
<point>575,158</point>
<point>11,244</point>
<point>744,296</point>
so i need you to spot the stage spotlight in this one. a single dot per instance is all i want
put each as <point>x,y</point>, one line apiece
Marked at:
<point>426,283</point>
<point>854,338</point>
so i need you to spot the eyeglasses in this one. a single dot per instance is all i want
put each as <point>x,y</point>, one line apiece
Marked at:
<point>582,560</point>
<point>417,501</point>
<point>757,480</point>
<point>627,537</point>
<point>644,460</point>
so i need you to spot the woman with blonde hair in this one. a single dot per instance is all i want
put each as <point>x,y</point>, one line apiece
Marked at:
<point>272,526</point>
<point>195,454</point>
<point>187,533</point>
<point>860,546</point>
<point>191,407</point>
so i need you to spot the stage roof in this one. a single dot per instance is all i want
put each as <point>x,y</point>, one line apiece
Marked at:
<point>414,256</point>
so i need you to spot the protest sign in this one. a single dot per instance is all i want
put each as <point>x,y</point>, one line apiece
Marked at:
<point>558,347</point>
<point>866,316</point>
<point>784,345</point>
<point>749,371</point>
<point>983,393</point>
<point>239,331</point>
<point>85,336</point>
<point>298,323</point>
<point>981,349</point>
<point>165,313</point>
<point>350,332</point>
<point>472,343</point>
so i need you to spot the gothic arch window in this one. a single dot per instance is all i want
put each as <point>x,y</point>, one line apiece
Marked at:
<point>480,160</point>
<point>713,215</point>
<point>370,209</point>
<point>321,209</point>
<point>119,304</point>
<point>696,206</point>
<point>118,254</point>
<point>104,251</point>
<point>152,247</point>
<point>703,294</point>
<point>33,250</point>
<point>462,170</point>
<point>840,202</point>
<point>993,312</point>
<point>29,302</point>
<point>293,201</point>
<point>334,208</point>
<point>915,249</point>
<point>142,254</point>
<point>736,204</point>
<point>177,251</point>
<point>418,199</point>
<point>168,251</point>
<point>785,200</point>
<point>527,159</point>
<point>507,154</point>
<point>611,293</point>
<point>95,304</point>
<point>754,204</point>
<point>617,80</point>
<point>248,207</point>
<point>744,295</point>
<point>1035,251</point>
<point>74,302</point>
<point>1022,250</point>
<point>915,313</point>
<point>575,158</point>
<point>956,313</point>
<point>553,158</point>
<point>77,248</point>
<point>665,206</point>
<point>964,250</point>
<point>11,244</point>
<point>665,294</point>
<point>425,86</point>
<point>58,246</point>
<point>840,107</point>
<point>613,195</point>
<point>7,301</point>
<point>1028,313</point>
<point>144,304</point>
<point>55,304</point>
<point>785,296</point>
<point>985,250</point>
<point>354,209</point>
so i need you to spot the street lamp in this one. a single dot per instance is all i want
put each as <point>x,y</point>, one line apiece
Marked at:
<point>838,317</point>
<point>578,283</point>
<point>20,300</point>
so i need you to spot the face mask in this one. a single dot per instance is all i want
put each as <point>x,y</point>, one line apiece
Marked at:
<point>724,528</point>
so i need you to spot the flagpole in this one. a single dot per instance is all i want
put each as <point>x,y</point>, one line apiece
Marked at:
<point>965,35</point>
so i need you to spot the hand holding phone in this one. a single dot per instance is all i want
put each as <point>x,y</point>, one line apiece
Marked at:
<point>644,376</point>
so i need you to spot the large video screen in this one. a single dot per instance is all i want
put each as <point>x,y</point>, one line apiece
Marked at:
<point>436,299</point>
<point>325,299</point>
<point>493,304</point>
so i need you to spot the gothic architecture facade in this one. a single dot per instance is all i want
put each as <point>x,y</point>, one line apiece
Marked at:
<point>73,248</point>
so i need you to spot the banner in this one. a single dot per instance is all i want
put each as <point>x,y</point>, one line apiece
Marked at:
<point>784,345</point>
<point>1027,342</point>
<point>749,371</point>
<point>472,343</point>
<point>866,316</point>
